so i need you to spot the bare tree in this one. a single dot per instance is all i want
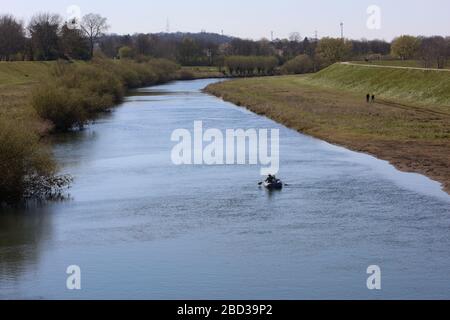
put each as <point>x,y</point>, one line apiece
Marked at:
<point>93,26</point>
<point>434,52</point>
<point>295,37</point>
<point>142,44</point>
<point>73,43</point>
<point>12,37</point>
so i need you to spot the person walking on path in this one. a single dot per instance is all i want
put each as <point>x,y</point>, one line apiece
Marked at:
<point>368,97</point>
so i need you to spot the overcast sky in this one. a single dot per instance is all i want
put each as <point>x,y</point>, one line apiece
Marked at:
<point>256,18</point>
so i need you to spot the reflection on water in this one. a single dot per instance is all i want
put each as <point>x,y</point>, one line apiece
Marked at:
<point>140,227</point>
<point>22,232</point>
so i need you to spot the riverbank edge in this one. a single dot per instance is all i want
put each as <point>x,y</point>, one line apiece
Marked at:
<point>19,82</point>
<point>179,75</point>
<point>377,151</point>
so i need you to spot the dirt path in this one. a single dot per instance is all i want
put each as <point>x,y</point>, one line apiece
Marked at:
<point>416,109</point>
<point>393,67</point>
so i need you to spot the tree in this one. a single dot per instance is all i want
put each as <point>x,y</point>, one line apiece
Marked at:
<point>126,53</point>
<point>309,47</point>
<point>73,43</point>
<point>242,47</point>
<point>295,37</point>
<point>434,51</point>
<point>109,45</point>
<point>264,48</point>
<point>93,26</point>
<point>366,48</point>
<point>299,65</point>
<point>44,29</point>
<point>248,65</point>
<point>189,52</point>
<point>143,44</point>
<point>332,50</point>
<point>405,47</point>
<point>270,63</point>
<point>12,37</point>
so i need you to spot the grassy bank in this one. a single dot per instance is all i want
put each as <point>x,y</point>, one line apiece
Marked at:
<point>17,80</point>
<point>37,98</point>
<point>416,87</point>
<point>399,63</point>
<point>331,105</point>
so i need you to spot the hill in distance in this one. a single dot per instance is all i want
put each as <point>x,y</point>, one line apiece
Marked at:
<point>215,38</point>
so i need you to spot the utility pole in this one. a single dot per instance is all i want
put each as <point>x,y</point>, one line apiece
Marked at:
<point>342,30</point>
<point>316,35</point>
<point>271,35</point>
<point>168,26</point>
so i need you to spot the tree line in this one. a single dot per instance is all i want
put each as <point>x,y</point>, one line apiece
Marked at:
<point>203,51</point>
<point>48,37</point>
<point>432,51</point>
<point>251,65</point>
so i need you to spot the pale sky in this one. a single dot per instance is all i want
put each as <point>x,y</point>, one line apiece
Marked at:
<point>255,18</point>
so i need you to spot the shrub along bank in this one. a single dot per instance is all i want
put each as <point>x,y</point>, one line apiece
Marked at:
<point>66,95</point>
<point>76,92</point>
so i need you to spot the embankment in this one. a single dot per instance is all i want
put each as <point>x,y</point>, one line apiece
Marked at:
<point>408,125</point>
<point>411,86</point>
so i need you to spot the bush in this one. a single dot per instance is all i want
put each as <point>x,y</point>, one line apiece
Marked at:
<point>186,75</point>
<point>73,94</point>
<point>299,65</point>
<point>147,72</point>
<point>78,91</point>
<point>59,105</point>
<point>26,166</point>
<point>126,53</point>
<point>92,80</point>
<point>164,69</point>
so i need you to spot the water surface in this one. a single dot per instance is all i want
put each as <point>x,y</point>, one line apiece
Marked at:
<point>141,228</point>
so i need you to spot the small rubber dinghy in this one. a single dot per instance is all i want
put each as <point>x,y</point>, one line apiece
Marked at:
<point>272,183</point>
<point>276,184</point>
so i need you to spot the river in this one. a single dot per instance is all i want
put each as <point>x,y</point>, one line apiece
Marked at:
<point>140,227</point>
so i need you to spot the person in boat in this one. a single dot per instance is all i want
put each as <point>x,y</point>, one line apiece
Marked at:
<point>271,179</point>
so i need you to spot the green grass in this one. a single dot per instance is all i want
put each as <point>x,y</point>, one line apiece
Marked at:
<point>23,72</point>
<point>17,80</point>
<point>416,87</point>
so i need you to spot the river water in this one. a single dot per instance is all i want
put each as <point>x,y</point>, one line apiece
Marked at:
<point>140,227</point>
